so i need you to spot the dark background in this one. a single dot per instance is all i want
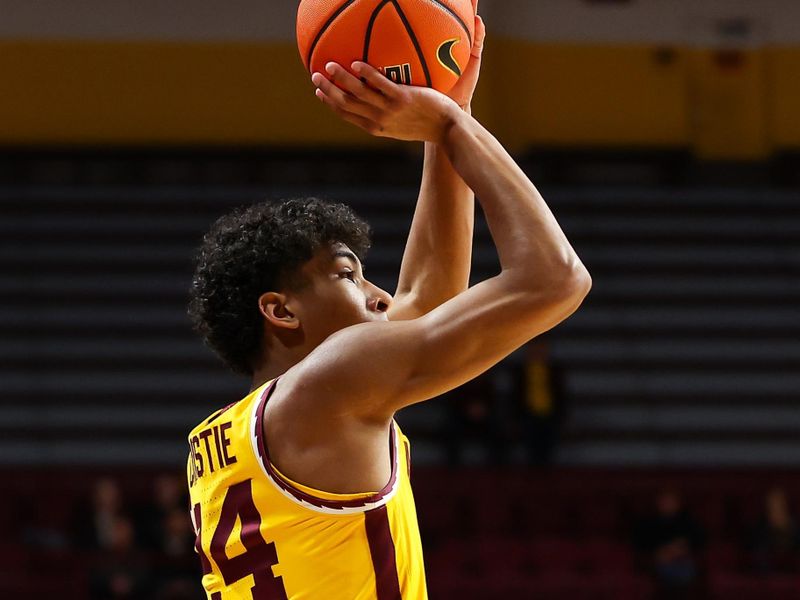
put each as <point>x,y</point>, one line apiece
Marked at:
<point>646,448</point>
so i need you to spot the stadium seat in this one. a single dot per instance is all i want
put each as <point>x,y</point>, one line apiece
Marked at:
<point>725,586</point>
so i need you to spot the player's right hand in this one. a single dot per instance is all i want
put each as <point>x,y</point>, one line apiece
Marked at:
<point>367,99</point>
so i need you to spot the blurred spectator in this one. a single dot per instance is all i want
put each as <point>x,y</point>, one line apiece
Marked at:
<point>95,521</point>
<point>169,497</point>
<point>178,574</point>
<point>177,537</point>
<point>41,526</point>
<point>165,529</point>
<point>122,571</point>
<point>774,542</point>
<point>668,543</point>
<point>542,403</point>
<point>474,416</point>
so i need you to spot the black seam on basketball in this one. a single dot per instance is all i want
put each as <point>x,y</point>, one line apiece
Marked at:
<point>455,16</point>
<point>323,29</point>
<point>414,41</point>
<point>368,37</point>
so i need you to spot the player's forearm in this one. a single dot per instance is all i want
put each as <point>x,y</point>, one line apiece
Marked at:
<point>529,241</point>
<point>437,259</point>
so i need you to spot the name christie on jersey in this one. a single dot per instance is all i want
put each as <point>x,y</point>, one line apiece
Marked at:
<point>209,451</point>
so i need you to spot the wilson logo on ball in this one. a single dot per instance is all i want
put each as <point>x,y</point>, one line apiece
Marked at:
<point>399,73</point>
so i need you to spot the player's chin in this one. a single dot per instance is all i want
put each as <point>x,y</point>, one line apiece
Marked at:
<point>368,317</point>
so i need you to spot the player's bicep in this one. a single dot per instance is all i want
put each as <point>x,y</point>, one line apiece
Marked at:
<point>377,368</point>
<point>477,329</point>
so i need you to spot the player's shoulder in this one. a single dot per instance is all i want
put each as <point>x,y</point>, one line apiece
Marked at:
<point>239,409</point>
<point>334,371</point>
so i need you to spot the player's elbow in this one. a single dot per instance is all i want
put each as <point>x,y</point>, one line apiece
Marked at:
<point>568,280</point>
<point>557,296</point>
<point>576,282</point>
<point>569,287</point>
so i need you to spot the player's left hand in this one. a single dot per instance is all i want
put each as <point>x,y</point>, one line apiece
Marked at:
<point>364,97</point>
<point>465,88</point>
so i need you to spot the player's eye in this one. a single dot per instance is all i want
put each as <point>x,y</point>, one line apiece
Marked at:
<point>348,275</point>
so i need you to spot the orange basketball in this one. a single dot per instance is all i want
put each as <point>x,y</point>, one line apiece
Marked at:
<point>415,42</point>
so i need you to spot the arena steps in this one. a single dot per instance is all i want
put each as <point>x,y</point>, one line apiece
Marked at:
<point>686,351</point>
<point>687,346</point>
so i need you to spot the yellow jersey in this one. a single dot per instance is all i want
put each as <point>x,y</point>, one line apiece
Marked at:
<point>262,536</point>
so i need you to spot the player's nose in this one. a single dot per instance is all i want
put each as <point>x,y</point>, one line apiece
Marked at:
<point>380,300</point>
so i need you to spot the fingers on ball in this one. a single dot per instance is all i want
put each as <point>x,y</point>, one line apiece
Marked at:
<point>355,86</point>
<point>374,77</point>
<point>339,99</point>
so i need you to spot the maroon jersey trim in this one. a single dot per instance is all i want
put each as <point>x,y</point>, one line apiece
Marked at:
<point>304,497</point>
<point>381,549</point>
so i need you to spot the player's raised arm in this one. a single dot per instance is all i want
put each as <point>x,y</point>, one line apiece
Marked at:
<point>373,369</point>
<point>438,256</point>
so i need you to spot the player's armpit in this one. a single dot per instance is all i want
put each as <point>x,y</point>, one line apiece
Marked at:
<point>374,369</point>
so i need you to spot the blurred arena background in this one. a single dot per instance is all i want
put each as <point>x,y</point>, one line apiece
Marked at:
<point>648,448</point>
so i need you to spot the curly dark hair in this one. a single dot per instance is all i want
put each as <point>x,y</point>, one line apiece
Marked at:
<point>257,249</point>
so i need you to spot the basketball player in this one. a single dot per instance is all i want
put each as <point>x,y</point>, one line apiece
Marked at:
<point>301,490</point>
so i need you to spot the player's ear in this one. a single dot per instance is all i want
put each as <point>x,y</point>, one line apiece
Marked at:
<point>273,306</point>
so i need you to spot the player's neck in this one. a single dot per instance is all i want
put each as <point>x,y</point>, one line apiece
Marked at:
<point>260,377</point>
<point>270,368</point>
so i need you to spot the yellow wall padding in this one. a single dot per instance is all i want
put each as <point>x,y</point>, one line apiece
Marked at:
<point>783,96</point>
<point>155,92</point>
<point>589,95</point>
<point>531,94</point>
<point>728,99</point>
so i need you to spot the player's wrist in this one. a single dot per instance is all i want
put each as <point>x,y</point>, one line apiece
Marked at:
<point>454,120</point>
<point>450,117</point>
